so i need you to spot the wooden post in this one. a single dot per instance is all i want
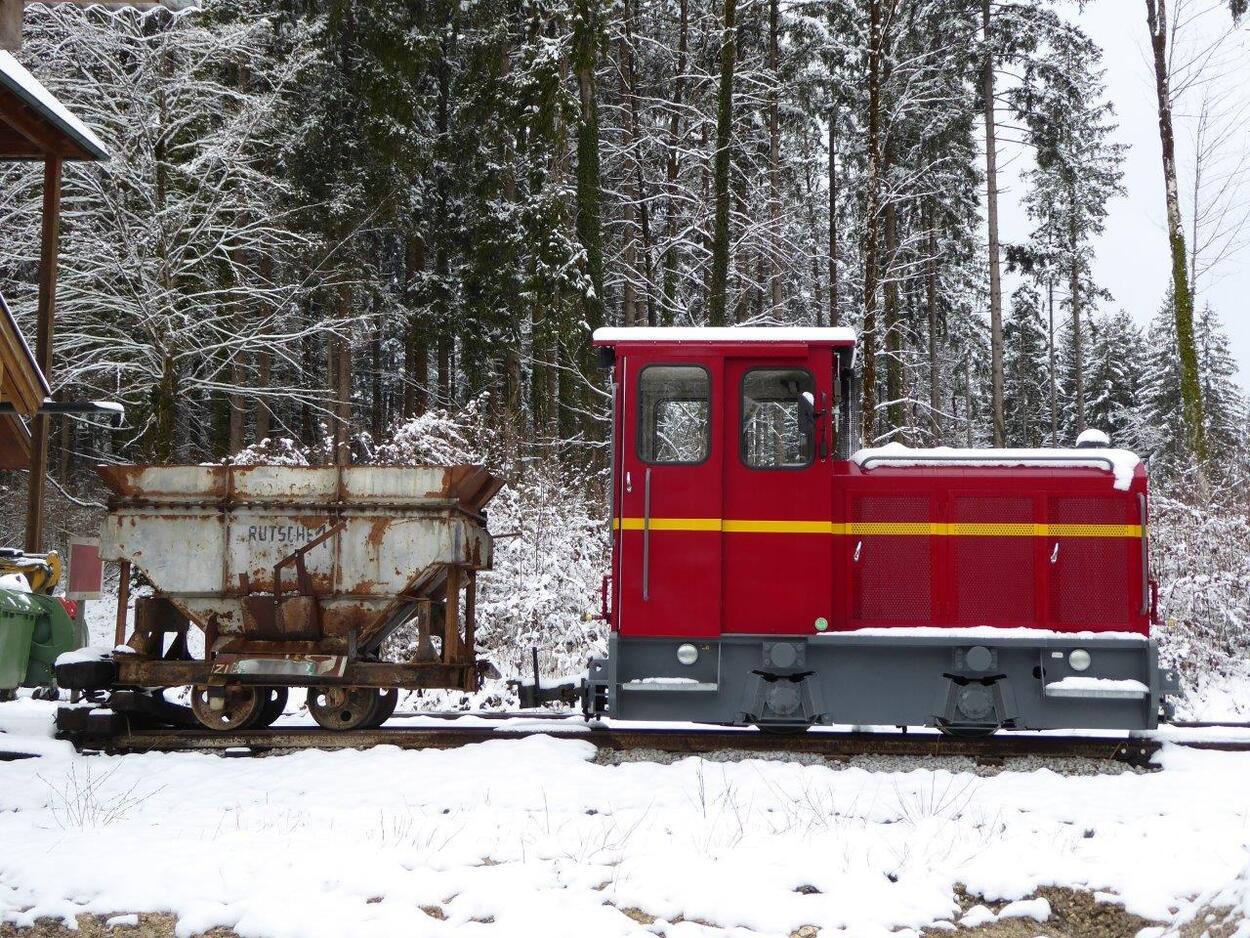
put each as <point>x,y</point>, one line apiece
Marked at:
<point>123,600</point>
<point>451,622</point>
<point>470,629</point>
<point>48,251</point>
<point>11,25</point>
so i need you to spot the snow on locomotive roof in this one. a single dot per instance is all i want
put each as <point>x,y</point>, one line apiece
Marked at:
<point>832,335</point>
<point>1120,462</point>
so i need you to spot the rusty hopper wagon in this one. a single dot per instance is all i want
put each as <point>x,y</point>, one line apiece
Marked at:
<point>296,576</point>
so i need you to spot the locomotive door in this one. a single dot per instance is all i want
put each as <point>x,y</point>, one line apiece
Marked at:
<point>778,542</point>
<point>669,496</point>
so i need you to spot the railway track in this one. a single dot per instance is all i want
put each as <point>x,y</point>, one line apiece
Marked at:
<point>833,745</point>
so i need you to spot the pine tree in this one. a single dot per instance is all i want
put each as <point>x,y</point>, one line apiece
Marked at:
<point>1113,377</point>
<point>1026,397</point>
<point>1060,98</point>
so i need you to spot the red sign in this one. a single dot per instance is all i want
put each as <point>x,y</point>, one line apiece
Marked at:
<point>85,568</point>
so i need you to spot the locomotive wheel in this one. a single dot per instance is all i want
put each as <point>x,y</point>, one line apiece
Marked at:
<point>343,708</point>
<point>967,732</point>
<point>387,699</point>
<point>275,703</point>
<point>783,729</point>
<point>240,708</point>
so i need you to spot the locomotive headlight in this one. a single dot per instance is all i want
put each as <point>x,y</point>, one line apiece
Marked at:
<point>687,654</point>
<point>1079,659</point>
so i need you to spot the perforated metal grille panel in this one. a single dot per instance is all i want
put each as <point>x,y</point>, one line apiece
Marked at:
<point>893,578</point>
<point>994,575</point>
<point>1090,576</point>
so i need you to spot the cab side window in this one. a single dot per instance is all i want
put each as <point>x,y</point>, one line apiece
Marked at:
<point>674,414</point>
<point>775,432</point>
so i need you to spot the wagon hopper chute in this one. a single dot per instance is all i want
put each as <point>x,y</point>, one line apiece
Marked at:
<point>296,576</point>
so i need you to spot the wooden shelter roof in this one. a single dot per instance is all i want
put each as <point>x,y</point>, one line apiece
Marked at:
<point>23,385</point>
<point>35,125</point>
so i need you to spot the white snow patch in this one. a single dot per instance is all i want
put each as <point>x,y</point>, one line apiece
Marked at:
<point>1093,438</point>
<point>1097,685</point>
<point>123,921</point>
<point>662,680</point>
<point>1231,902</point>
<point>1121,462</point>
<point>1037,909</point>
<point>14,581</point>
<point>80,655</point>
<point>540,838</point>
<point>977,916</point>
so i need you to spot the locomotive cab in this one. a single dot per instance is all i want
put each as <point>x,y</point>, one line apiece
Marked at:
<point>767,570</point>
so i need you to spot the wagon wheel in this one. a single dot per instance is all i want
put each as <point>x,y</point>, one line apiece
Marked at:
<point>240,707</point>
<point>967,732</point>
<point>387,699</point>
<point>275,703</point>
<point>783,729</point>
<point>343,708</point>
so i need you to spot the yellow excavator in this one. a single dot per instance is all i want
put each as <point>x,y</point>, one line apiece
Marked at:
<point>42,571</point>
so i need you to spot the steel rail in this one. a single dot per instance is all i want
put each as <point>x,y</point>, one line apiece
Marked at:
<point>836,746</point>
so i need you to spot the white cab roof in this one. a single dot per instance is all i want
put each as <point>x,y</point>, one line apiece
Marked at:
<point>836,336</point>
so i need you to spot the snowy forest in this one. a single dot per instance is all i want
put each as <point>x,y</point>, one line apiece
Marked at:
<point>335,231</point>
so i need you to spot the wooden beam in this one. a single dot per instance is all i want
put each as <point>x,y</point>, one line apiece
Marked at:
<point>49,250</point>
<point>17,114</point>
<point>451,623</point>
<point>11,25</point>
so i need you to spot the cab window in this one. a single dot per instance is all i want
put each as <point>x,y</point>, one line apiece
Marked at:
<point>775,434</point>
<point>674,414</point>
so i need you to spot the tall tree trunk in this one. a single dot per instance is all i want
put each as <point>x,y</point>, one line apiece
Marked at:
<point>991,213</point>
<point>589,222</point>
<point>264,365</point>
<point>872,222</point>
<point>586,32</point>
<point>416,355</point>
<point>1050,366</point>
<point>340,370</point>
<point>237,405</point>
<point>774,163</point>
<point>935,384</point>
<point>377,406</point>
<point>446,391</point>
<point>1183,303</point>
<point>1078,337</point>
<point>742,259</point>
<point>893,340</point>
<point>835,317</point>
<point>629,259</point>
<point>672,163</point>
<point>264,377</point>
<point>724,132</point>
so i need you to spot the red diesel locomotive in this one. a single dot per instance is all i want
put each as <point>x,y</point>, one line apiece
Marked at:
<point>767,571</point>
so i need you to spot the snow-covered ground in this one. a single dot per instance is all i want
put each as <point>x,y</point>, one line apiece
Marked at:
<point>535,837</point>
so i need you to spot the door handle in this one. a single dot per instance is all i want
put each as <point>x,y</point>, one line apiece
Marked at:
<point>629,483</point>
<point>1054,553</point>
<point>858,546</point>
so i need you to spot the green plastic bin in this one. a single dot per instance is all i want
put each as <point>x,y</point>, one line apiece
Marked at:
<point>54,635</point>
<point>19,614</point>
